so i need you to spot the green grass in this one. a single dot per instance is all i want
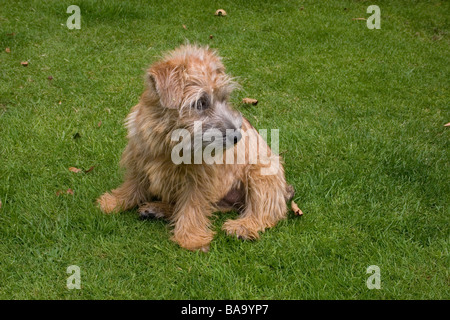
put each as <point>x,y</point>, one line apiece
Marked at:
<point>361,115</point>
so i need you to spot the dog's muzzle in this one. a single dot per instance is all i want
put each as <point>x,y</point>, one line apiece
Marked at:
<point>235,137</point>
<point>228,124</point>
<point>234,134</point>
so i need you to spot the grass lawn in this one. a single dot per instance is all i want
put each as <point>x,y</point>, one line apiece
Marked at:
<point>361,115</point>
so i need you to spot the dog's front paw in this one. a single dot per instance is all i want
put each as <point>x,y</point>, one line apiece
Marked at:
<point>194,243</point>
<point>241,228</point>
<point>196,247</point>
<point>203,249</point>
<point>108,203</point>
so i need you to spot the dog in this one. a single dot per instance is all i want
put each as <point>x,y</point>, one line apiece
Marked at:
<point>188,87</point>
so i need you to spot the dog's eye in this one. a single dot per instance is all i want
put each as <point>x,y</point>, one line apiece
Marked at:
<point>202,103</point>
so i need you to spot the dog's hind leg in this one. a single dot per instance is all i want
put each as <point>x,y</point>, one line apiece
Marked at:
<point>265,205</point>
<point>155,210</point>
<point>127,196</point>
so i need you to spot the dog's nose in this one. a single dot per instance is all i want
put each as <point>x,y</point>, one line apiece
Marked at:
<point>237,137</point>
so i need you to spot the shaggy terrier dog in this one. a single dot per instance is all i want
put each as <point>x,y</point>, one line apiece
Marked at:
<point>190,154</point>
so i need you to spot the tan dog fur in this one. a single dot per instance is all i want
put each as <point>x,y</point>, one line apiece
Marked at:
<point>188,194</point>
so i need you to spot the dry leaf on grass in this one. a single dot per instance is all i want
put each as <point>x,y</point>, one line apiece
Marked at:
<point>99,124</point>
<point>8,50</point>
<point>89,170</point>
<point>358,18</point>
<point>24,63</point>
<point>76,170</point>
<point>250,101</point>
<point>73,169</point>
<point>296,209</point>
<point>0,204</point>
<point>220,12</point>
<point>184,27</point>
<point>60,192</point>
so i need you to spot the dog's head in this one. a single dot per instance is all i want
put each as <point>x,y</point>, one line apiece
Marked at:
<point>191,82</point>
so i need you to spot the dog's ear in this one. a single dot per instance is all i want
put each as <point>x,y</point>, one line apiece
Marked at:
<point>168,81</point>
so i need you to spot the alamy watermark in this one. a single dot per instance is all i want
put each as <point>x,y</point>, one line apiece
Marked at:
<point>74,21</point>
<point>374,21</point>
<point>213,147</point>
<point>74,281</point>
<point>374,281</point>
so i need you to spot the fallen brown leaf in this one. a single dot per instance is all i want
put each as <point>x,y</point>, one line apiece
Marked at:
<point>358,18</point>
<point>89,170</point>
<point>250,101</point>
<point>99,124</point>
<point>8,50</point>
<point>12,34</point>
<point>73,169</point>
<point>50,78</point>
<point>211,36</point>
<point>220,12</point>
<point>60,192</point>
<point>296,209</point>
<point>436,37</point>
<point>184,27</point>
<point>0,204</point>
<point>24,63</point>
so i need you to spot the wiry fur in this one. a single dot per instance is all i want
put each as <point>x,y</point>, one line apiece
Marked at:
<point>188,194</point>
